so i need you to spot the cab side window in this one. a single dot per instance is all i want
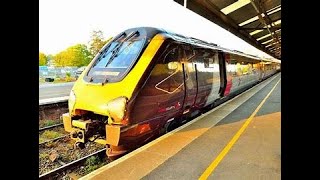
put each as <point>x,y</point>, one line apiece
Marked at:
<point>167,75</point>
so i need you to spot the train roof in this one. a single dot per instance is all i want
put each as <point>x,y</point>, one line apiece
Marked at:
<point>151,31</point>
<point>202,43</point>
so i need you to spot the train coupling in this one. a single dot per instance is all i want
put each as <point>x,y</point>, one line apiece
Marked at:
<point>83,131</point>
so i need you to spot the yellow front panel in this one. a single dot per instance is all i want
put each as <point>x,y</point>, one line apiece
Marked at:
<point>80,124</point>
<point>67,122</point>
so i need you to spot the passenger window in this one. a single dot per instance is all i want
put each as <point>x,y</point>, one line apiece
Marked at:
<point>233,66</point>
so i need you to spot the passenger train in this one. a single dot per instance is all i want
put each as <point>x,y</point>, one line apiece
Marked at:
<point>146,80</point>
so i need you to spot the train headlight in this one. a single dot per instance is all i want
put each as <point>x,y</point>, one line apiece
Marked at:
<point>72,101</point>
<point>116,109</point>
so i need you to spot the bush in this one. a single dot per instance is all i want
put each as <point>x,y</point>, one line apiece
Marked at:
<point>68,74</point>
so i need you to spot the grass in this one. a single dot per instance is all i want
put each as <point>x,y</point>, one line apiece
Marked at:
<point>92,163</point>
<point>48,134</point>
<point>43,155</point>
<point>41,140</point>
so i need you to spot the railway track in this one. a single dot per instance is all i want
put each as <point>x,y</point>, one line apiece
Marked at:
<point>58,171</point>
<point>50,127</point>
<point>52,133</point>
<point>68,157</point>
<point>53,111</point>
<point>54,139</point>
<point>59,154</point>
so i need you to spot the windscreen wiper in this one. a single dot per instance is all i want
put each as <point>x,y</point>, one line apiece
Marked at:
<point>116,38</point>
<point>105,80</point>
<point>117,48</point>
<point>106,49</point>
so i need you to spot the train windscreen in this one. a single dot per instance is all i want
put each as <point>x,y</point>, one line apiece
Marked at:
<point>116,59</point>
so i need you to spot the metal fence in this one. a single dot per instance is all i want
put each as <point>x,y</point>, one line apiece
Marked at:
<point>56,72</point>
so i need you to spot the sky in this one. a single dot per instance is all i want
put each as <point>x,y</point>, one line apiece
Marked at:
<point>63,23</point>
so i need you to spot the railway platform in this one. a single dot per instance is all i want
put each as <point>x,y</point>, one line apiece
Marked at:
<point>240,139</point>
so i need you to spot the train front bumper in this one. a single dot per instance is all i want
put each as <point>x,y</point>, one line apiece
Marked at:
<point>112,132</point>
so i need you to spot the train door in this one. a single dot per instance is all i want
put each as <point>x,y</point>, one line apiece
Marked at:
<point>213,76</point>
<point>262,75</point>
<point>208,76</point>
<point>223,74</point>
<point>190,78</point>
<point>229,71</point>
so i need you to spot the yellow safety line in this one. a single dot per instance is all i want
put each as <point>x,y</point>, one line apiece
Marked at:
<point>234,139</point>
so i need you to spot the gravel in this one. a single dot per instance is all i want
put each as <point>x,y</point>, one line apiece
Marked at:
<point>54,154</point>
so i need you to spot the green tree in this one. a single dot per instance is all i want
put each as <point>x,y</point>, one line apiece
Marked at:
<point>77,55</point>
<point>50,60</point>
<point>97,42</point>
<point>49,57</point>
<point>42,59</point>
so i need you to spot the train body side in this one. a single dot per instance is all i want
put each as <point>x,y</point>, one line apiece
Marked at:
<point>181,80</point>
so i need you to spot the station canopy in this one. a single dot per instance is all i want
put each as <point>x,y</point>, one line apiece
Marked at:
<point>257,22</point>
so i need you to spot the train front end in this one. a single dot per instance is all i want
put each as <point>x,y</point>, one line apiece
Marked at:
<point>99,102</point>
